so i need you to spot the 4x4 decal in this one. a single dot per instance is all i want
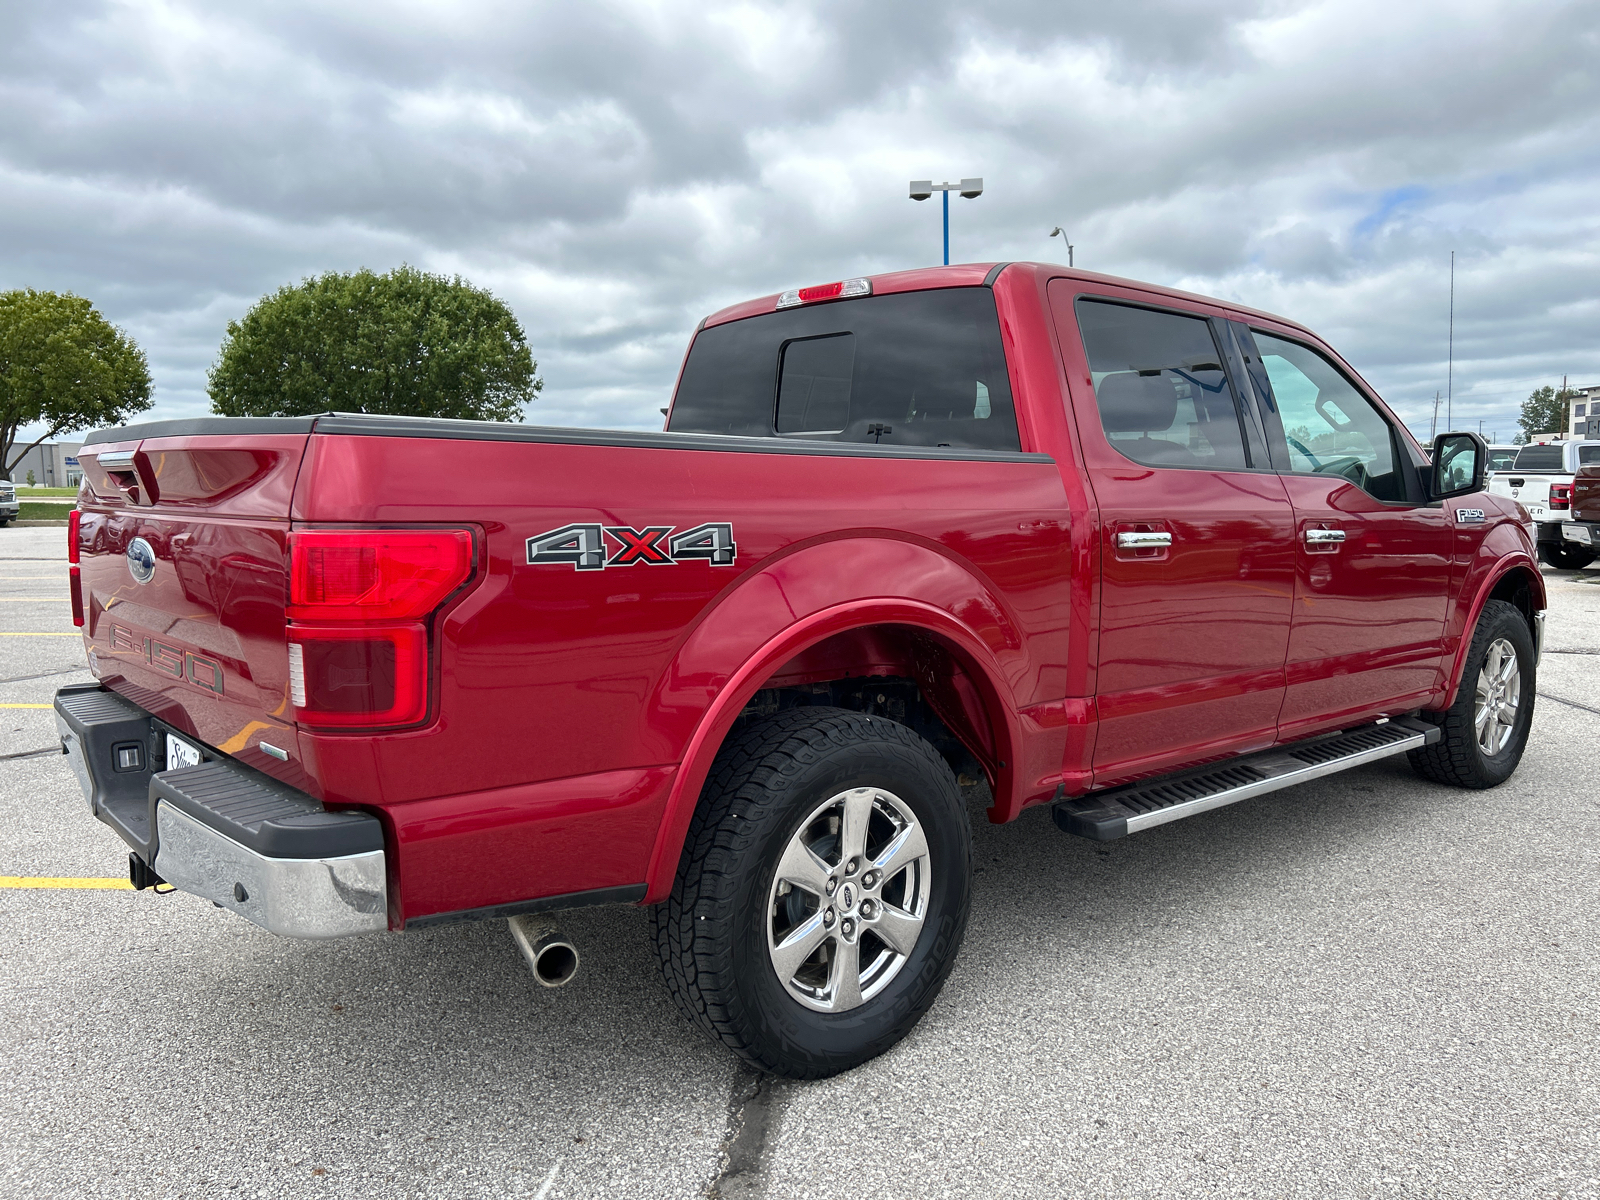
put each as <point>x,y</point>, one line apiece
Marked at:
<point>586,549</point>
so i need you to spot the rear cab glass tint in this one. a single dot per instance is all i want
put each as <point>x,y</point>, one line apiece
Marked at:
<point>1163,396</point>
<point>908,369</point>
<point>1539,458</point>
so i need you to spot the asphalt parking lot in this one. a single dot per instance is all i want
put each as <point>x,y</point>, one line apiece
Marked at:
<point>1366,986</point>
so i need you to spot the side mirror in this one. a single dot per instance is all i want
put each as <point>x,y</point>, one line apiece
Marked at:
<point>1460,465</point>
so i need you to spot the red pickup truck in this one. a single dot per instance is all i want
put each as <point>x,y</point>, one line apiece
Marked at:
<point>1112,548</point>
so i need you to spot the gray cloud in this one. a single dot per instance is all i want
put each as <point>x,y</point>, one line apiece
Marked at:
<point>617,170</point>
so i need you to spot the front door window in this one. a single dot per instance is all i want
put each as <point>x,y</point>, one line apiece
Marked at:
<point>1329,428</point>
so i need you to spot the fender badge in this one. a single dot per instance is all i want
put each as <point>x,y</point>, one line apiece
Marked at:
<point>141,560</point>
<point>584,547</point>
<point>1469,516</point>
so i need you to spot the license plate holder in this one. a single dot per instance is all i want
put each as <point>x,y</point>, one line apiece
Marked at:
<point>182,754</point>
<point>1577,533</point>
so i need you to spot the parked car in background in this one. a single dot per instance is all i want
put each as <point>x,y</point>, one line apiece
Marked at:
<point>10,506</point>
<point>1541,481</point>
<point>1501,458</point>
<point>1582,533</point>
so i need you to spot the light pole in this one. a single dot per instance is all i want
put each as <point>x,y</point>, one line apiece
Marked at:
<point>1063,235</point>
<point>921,189</point>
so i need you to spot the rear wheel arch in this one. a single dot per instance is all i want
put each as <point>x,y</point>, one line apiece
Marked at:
<point>921,624</point>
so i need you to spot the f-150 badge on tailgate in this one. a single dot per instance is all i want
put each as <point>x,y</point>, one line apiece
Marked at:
<point>587,549</point>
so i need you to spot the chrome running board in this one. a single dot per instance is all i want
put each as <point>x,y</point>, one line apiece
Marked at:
<point>1105,816</point>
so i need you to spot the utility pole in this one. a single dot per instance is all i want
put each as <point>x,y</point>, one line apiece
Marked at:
<point>1450,354</point>
<point>1433,425</point>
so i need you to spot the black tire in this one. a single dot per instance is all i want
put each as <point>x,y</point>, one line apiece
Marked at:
<point>1457,758</point>
<point>711,933</point>
<point>1565,557</point>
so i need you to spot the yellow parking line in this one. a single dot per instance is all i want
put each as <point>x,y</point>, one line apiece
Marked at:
<point>53,881</point>
<point>27,706</point>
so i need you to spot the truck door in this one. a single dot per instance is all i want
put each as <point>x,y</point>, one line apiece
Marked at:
<point>1372,559</point>
<point>1196,535</point>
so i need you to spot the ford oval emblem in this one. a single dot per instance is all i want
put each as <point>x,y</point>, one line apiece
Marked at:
<point>141,560</point>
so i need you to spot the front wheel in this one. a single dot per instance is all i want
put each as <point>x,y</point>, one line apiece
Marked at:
<point>1486,729</point>
<point>822,894</point>
<point>1564,556</point>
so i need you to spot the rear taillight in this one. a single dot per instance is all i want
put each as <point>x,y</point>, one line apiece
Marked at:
<point>359,601</point>
<point>1560,495</point>
<point>74,581</point>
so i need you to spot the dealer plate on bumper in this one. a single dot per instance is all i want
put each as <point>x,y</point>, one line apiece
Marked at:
<point>1577,533</point>
<point>181,754</point>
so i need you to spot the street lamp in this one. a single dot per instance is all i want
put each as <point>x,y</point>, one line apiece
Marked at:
<point>921,189</point>
<point>1063,234</point>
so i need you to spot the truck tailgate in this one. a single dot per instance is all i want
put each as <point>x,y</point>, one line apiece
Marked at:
<point>183,550</point>
<point>1530,491</point>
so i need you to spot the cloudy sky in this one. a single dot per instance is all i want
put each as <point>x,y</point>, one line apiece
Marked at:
<point>616,170</point>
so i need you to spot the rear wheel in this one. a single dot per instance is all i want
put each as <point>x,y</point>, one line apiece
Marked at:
<point>823,891</point>
<point>1564,556</point>
<point>1486,729</point>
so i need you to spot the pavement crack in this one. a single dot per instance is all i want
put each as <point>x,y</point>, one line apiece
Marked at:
<point>1569,703</point>
<point>47,674</point>
<point>741,1172</point>
<point>31,753</point>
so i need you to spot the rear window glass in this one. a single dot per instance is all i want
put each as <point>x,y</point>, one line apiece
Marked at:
<point>912,369</point>
<point>1158,382</point>
<point>1539,458</point>
<point>1588,454</point>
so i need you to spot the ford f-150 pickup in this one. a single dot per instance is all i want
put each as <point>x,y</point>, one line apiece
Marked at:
<point>1121,551</point>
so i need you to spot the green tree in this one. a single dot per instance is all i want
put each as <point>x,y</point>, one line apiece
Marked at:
<point>1545,411</point>
<point>63,367</point>
<point>405,343</point>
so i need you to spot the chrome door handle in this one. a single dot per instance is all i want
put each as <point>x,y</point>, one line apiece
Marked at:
<point>1142,541</point>
<point>1323,537</point>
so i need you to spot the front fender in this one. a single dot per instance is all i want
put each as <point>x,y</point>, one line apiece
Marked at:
<point>795,601</point>
<point>1500,553</point>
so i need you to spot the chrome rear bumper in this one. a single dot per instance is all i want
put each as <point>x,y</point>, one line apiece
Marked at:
<point>296,897</point>
<point>221,830</point>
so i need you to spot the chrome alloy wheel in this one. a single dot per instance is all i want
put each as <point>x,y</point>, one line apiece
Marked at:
<point>848,899</point>
<point>1499,696</point>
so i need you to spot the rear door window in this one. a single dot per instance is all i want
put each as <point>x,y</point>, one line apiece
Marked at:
<point>910,369</point>
<point>1588,455</point>
<point>1163,396</point>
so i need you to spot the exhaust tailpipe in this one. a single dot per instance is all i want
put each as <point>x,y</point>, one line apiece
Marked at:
<point>553,959</point>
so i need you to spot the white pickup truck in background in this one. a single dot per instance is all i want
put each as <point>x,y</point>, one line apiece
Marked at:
<point>1541,481</point>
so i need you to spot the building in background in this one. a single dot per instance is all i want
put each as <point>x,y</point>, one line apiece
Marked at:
<point>54,464</point>
<point>1583,412</point>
